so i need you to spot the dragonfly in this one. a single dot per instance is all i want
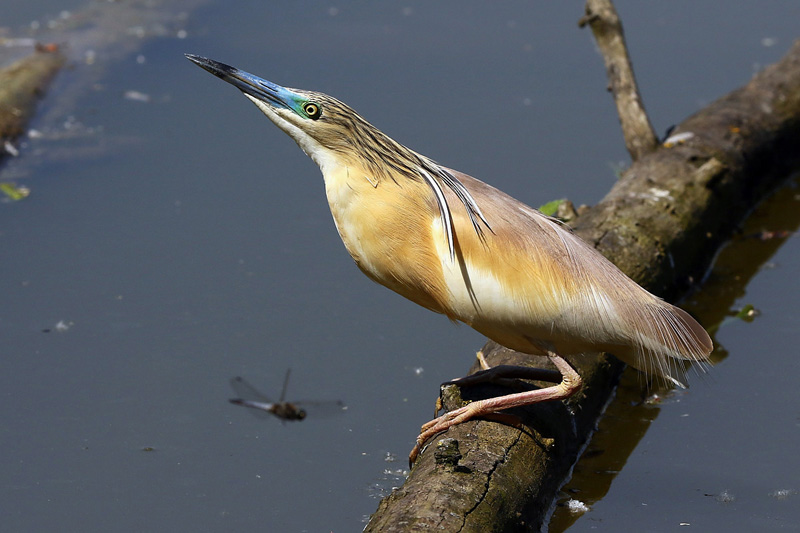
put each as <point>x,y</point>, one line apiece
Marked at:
<point>251,397</point>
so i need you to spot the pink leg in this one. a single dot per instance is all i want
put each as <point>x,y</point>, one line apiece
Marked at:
<point>569,385</point>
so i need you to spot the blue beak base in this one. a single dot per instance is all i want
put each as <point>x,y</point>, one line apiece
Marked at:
<point>259,88</point>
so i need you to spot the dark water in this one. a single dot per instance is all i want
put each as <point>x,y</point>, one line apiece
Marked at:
<point>184,240</point>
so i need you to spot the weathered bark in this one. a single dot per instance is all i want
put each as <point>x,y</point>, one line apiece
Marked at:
<point>21,86</point>
<point>662,223</point>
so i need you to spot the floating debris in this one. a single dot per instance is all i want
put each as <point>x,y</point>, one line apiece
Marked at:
<point>725,496</point>
<point>10,149</point>
<point>13,191</point>
<point>782,494</point>
<point>137,96</point>
<point>748,313</point>
<point>576,506</point>
<point>60,327</point>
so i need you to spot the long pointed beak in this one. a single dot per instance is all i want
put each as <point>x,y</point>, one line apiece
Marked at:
<point>259,88</point>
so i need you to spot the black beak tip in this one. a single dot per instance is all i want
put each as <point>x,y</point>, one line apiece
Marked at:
<point>216,68</point>
<point>199,60</point>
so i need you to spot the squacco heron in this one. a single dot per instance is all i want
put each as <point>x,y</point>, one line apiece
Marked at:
<point>460,247</point>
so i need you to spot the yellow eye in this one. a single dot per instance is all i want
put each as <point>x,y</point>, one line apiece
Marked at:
<point>312,110</point>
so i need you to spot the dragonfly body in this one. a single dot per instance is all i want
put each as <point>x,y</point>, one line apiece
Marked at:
<point>249,396</point>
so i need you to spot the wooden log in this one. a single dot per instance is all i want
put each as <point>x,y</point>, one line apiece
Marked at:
<point>662,223</point>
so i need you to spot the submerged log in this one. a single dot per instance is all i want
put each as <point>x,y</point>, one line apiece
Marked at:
<point>94,37</point>
<point>22,84</point>
<point>662,223</point>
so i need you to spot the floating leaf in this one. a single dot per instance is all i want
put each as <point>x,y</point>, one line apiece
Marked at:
<point>747,313</point>
<point>13,191</point>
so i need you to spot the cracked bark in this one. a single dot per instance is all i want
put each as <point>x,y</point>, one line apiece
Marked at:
<point>662,224</point>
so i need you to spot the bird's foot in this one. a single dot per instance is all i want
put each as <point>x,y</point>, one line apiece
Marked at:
<point>455,417</point>
<point>569,383</point>
<point>440,424</point>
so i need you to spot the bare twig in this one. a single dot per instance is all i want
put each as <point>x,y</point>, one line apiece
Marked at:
<point>640,139</point>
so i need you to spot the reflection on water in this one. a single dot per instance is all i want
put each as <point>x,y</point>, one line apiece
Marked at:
<point>629,415</point>
<point>626,420</point>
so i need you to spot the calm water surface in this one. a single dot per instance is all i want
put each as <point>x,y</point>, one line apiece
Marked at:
<point>171,244</point>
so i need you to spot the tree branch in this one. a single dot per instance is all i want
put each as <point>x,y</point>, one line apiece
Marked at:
<point>640,139</point>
